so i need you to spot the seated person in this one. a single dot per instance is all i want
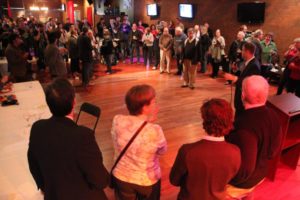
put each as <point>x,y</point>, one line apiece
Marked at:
<point>64,158</point>
<point>257,134</point>
<point>204,168</point>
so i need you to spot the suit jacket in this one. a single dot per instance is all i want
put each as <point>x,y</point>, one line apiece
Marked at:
<point>258,135</point>
<point>203,169</point>
<point>55,61</point>
<point>65,161</point>
<point>85,48</point>
<point>253,68</point>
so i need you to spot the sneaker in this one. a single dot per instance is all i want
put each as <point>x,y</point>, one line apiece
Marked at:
<point>154,68</point>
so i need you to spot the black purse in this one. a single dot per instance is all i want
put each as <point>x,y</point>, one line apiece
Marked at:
<point>112,179</point>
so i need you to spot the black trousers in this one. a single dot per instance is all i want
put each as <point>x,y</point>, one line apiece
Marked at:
<point>147,53</point>
<point>216,66</point>
<point>128,191</point>
<point>179,64</point>
<point>293,86</point>
<point>107,59</point>
<point>75,65</point>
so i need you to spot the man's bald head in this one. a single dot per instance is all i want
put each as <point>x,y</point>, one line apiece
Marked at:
<point>255,91</point>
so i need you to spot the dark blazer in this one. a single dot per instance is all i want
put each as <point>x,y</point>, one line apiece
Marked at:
<point>258,135</point>
<point>65,161</point>
<point>253,68</point>
<point>203,169</point>
<point>85,48</point>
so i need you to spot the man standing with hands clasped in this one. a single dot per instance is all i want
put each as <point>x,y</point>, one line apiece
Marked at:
<point>191,51</point>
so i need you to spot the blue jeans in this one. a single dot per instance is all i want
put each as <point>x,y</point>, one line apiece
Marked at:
<point>87,68</point>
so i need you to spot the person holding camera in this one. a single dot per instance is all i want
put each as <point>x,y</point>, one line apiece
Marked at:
<point>217,52</point>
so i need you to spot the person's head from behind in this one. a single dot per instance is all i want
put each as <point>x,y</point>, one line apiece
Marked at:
<point>60,97</point>
<point>15,39</point>
<point>52,37</point>
<point>140,100</point>
<point>85,31</point>
<point>248,50</point>
<point>217,116</point>
<point>255,90</point>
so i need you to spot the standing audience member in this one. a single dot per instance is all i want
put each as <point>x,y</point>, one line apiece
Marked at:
<point>256,39</point>
<point>107,50</point>
<point>64,158</point>
<point>137,175</point>
<point>156,50</point>
<point>86,56</point>
<point>190,59</point>
<point>165,44</point>
<point>250,67</point>
<point>205,43</point>
<point>54,57</point>
<point>209,31</point>
<point>204,168</point>
<point>217,52</point>
<point>74,53</point>
<point>16,59</point>
<point>134,39</point>
<point>125,30</point>
<point>147,40</point>
<point>235,53</point>
<point>293,66</point>
<point>259,141</point>
<point>269,49</point>
<point>178,46</point>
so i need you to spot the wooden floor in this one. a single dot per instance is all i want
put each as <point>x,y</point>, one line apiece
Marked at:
<point>179,117</point>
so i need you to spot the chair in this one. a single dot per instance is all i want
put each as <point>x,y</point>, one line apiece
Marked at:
<point>92,110</point>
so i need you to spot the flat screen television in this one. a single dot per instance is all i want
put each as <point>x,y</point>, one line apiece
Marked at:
<point>152,10</point>
<point>186,10</point>
<point>251,12</point>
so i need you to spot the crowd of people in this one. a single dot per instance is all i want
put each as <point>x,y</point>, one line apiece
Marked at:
<point>227,163</point>
<point>53,43</point>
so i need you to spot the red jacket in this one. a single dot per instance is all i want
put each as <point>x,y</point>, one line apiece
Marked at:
<point>294,65</point>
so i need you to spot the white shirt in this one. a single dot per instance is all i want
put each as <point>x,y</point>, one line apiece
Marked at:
<point>214,139</point>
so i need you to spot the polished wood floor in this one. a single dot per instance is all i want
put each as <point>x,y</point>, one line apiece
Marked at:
<point>179,117</point>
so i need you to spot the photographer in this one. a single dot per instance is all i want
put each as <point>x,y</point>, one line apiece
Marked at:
<point>217,52</point>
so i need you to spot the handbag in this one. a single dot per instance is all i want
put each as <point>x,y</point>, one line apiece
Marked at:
<point>112,182</point>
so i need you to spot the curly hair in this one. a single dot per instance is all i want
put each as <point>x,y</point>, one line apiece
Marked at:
<point>217,116</point>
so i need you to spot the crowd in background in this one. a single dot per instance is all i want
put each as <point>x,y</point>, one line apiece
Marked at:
<point>110,42</point>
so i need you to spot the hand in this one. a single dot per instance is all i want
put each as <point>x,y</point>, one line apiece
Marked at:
<point>230,77</point>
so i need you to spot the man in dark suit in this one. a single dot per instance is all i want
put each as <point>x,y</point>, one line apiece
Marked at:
<point>64,158</point>
<point>258,135</point>
<point>251,67</point>
<point>86,56</point>
<point>202,169</point>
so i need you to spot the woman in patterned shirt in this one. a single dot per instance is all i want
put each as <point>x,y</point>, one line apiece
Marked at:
<point>138,174</point>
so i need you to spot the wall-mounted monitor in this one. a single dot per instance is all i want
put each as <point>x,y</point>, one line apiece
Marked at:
<point>152,10</point>
<point>186,10</point>
<point>251,12</point>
